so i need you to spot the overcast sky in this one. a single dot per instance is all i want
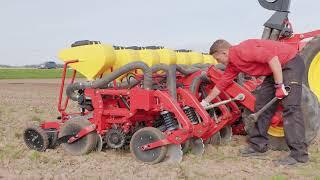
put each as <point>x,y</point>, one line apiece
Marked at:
<point>33,31</point>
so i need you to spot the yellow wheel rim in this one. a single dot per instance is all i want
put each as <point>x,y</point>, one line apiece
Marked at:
<point>276,131</point>
<point>314,83</point>
<point>314,75</point>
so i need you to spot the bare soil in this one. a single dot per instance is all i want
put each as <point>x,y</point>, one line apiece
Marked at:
<point>33,101</point>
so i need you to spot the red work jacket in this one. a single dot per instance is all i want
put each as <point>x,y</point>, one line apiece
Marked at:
<point>252,57</point>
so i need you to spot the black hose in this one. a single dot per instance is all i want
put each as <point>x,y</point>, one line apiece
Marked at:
<point>103,82</point>
<point>202,66</point>
<point>170,71</point>
<point>220,67</point>
<point>171,77</point>
<point>172,81</point>
<point>186,70</point>
<point>195,82</point>
<point>133,82</point>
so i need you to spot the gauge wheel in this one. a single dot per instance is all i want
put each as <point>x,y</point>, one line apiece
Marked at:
<point>83,145</point>
<point>145,136</point>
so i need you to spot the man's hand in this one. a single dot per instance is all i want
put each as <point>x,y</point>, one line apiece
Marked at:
<point>281,91</point>
<point>204,103</point>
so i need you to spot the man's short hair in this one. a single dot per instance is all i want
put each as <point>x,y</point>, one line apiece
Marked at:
<point>219,45</point>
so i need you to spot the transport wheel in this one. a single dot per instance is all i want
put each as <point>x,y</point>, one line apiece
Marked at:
<point>311,113</point>
<point>311,56</point>
<point>36,138</point>
<point>83,145</point>
<point>145,136</point>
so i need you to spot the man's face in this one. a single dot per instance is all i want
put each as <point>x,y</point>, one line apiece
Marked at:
<point>222,56</point>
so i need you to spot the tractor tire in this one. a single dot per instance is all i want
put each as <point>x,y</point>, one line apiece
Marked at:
<point>311,55</point>
<point>83,145</point>
<point>311,112</point>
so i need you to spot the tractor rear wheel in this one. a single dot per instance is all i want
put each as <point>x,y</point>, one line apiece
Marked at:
<point>83,145</point>
<point>145,136</point>
<point>311,112</point>
<point>311,56</point>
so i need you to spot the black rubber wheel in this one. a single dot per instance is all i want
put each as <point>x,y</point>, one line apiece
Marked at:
<point>83,145</point>
<point>308,53</point>
<point>145,136</point>
<point>36,138</point>
<point>52,137</point>
<point>311,113</point>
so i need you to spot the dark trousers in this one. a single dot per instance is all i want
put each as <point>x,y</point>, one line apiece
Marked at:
<point>292,115</point>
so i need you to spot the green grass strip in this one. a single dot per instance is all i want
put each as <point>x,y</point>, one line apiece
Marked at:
<point>8,73</point>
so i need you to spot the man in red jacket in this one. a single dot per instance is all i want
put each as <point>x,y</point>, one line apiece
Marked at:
<point>281,65</point>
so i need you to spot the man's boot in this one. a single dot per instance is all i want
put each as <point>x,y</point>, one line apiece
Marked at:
<point>288,161</point>
<point>249,151</point>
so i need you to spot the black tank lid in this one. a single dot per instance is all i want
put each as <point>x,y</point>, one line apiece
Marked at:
<point>134,47</point>
<point>84,42</point>
<point>154,47</point>
<point>183,50</point>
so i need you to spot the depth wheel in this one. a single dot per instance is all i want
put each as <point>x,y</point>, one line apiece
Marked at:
<point>36,138</point>
<point>83,145</point>
<point>145,136</point>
